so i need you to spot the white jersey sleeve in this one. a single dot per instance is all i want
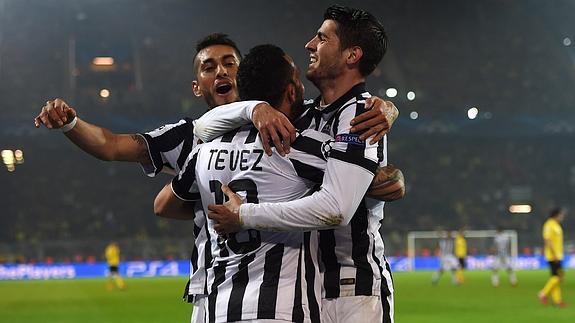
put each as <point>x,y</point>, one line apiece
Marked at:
<point>349,172</point>
<point>224,118</point>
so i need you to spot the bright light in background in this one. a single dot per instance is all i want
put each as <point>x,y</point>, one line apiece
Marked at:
<point>520,208</point>
<point>104,93</point>
<point>8,157</point>
<point>567,41</point>
<point>103,61</point>
<point>472,113</point>
<point>19,156</point>
<point>414,115</point>
<point>391,92</point>
<point>411,95</point>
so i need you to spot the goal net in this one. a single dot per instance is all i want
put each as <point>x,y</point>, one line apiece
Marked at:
<point>479,243</point>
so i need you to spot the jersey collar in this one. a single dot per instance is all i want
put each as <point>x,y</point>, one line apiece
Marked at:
<point>356,90</point>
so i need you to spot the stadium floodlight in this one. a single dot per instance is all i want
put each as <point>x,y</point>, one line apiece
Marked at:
<point>411,95</point>
<point>104,93</point>
<point>567,41</point>
<point>413,115</point>
<point>103,61</point>
<point>520,208</point>
<point>472,113</point>
<point>474,238</point>
<point>391,92</point>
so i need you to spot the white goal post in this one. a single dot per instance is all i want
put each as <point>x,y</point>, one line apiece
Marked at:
<point>468,234</point>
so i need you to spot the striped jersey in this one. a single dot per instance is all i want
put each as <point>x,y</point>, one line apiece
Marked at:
<point>352,256</point>
<point>446,247</point>
<point>169,147</point>
<point>258,274</point>
<point>502,244</point>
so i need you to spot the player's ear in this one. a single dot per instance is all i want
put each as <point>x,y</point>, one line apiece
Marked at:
<point>196,88</point>
<point>291,93</point>
<point>354,54</point>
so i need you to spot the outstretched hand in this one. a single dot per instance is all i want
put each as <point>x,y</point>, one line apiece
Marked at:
<point>275,126</point>
<point>55,114</point>
<point>227,215</point>
<point>376,121</point>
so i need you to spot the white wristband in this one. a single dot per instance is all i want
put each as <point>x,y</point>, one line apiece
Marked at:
<point>67,127</point>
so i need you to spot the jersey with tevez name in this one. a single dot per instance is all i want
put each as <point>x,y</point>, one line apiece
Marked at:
<point>169,146</point>
<point>258,274</point>
<point>352,255</point>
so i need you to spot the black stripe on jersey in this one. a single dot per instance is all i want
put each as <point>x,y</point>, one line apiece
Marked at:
<point>386,310</point>
<point>380,146</point>
<point>329,259</point>
<point>309,145</point>
<point>355,158</point>
<point>170,140</point>
<point>207,256</point>
<point>384,288</point>
<point>219,277</point>
<point>187,297</point>
<point>154,153</point>
<point>304,122</point>
<point>239,283</point>
<point>194,257</point>
<point>360,249</point>
<point>251,138</point>
<point>269,286</point>
<point>297,313</point>
<point>310,279</point>
<point>229,136</point>
<point>183,185</point>
<point>307,171</point>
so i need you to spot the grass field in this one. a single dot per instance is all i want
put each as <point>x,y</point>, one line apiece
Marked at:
<point>158,300</point>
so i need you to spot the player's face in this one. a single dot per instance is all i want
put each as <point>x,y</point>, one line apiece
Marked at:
<point>217,67</point>
<point>326,58</point>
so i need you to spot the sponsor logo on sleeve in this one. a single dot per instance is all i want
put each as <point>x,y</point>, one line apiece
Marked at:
<point>349,138</point>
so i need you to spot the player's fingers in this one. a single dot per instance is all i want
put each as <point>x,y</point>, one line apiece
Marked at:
<point>70,112</point>
<point>286,138</point>
<point>229,193</point>
<point>44,117</point>
<point>362,117</point>
<point>59,106</point>
<point>54,117</point>
<point>369,102</point>
<point>277,142</point>
<point>378,136</point>
<point>266,142</point>
<point>369,133</point>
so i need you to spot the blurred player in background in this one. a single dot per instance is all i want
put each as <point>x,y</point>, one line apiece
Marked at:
<point>553,245</point>
<point>460,253</point>
<point>502,246</point>
<point>447,260</point>
<point>113,259</point>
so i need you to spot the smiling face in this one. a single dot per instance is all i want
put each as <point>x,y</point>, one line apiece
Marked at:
<point>327,60</point>
<point>216,68</point>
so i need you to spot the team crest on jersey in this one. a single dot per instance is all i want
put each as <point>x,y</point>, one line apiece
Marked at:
<point>326,148</point>
<point>350,138</point>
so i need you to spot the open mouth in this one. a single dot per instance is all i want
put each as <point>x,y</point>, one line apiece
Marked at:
<point>223,88</point>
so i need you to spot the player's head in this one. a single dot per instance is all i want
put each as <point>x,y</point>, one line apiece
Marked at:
<point>215,67</point>
<point>348,40</point>
<point>557,214</point>
<point>267,73</point>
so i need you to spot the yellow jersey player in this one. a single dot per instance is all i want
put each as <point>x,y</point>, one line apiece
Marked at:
<point>553,244</point>
<point>113,259</point>
<point>460,253</point>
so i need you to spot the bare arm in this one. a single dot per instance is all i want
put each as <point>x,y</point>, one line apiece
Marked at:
<point>168,205</point>
<point>96,141</point>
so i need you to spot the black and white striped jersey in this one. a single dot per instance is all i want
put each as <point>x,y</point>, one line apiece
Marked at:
<point>352,255</point>
<point>446,247</point>
<point>258,274</point>
<point>169,146</point>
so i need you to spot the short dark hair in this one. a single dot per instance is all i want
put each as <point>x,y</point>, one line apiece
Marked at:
<point>356,27</point>
<point>215,39</point>
<point>264,74</point>
<point>555,212</point>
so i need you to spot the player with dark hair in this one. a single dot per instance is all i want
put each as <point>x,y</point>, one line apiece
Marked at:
<point>356,276</point>
<point>553,247</point>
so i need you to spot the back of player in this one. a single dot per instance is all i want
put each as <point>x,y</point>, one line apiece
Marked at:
<point>258,274</point>
<point>112,254</point>
<point>447,260</point>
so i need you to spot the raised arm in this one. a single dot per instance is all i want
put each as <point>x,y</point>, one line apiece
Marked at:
<point>96,141</point>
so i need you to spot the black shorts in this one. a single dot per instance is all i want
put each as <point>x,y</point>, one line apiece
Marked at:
<point>556,267</point>
<point>462,263</point>
<point>114,269</point>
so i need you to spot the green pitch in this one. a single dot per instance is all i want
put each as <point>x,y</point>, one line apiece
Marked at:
<point>159,300</point>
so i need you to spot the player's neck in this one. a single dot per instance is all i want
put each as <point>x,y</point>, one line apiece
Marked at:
<point>333,89</point>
